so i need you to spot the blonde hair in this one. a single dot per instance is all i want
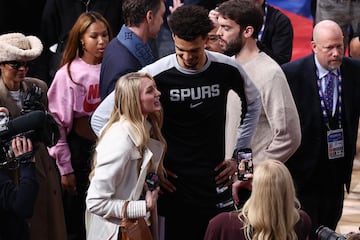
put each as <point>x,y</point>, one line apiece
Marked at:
<point>271,212</point>
<point>128,106</point>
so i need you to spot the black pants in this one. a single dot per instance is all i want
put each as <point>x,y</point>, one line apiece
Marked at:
<point>190,223</point>
<point>323,196</point>
<point>74,204</point>
<point>324,208</point>
<point>187,211</point>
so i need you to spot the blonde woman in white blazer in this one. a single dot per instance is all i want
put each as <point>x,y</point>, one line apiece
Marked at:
<point>129,147</point>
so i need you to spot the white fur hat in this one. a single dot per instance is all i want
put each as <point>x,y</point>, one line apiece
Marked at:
<point>18,47</point>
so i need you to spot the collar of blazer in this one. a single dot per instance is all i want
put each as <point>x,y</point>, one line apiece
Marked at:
<point>153,151</point>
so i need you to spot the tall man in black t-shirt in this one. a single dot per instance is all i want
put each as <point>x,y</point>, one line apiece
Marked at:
<point>194,84</point>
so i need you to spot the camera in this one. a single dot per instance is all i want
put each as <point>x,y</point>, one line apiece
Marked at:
<point>325,233</point>
<point>38,126</point>
<point>32,100</point>
<point>245,163</point>
<point>35,123</point>
<point>152,180</point>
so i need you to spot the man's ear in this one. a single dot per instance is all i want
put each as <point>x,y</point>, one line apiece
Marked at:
<point>248,32</point>
<point>313,46</point>
<point>149,16</point>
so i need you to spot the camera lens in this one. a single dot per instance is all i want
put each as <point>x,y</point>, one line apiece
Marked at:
<point>325,233</point>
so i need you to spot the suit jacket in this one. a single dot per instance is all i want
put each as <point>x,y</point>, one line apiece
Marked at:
<point>278,36</point>
<point>48,220</point>
<point>312,153</point>
<point>113,66</point>
<point>117,179</point>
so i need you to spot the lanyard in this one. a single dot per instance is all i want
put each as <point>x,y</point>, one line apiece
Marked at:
<point>322,102</point>
<point>261,32</point>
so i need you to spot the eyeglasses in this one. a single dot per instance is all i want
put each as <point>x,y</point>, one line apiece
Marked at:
<point>213,38</point>
<point>16,65</point>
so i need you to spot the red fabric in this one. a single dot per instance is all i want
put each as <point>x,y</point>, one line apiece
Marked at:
<point>302,34</point>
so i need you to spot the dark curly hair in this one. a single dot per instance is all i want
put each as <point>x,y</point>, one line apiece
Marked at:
<point>188,22</point>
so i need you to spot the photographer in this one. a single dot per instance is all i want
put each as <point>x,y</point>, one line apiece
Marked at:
<point>271,212</point>
<point>20,94</point>
<point>324,233</point>
<point>17,199</point>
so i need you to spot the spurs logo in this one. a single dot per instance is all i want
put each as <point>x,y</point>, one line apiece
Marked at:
<point>196,93</point>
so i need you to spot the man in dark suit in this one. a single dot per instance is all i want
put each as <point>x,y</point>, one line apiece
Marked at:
<point>329,121</point>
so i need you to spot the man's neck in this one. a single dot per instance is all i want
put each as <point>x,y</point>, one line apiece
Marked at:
<point>141,32</point>
<point>248,51</point>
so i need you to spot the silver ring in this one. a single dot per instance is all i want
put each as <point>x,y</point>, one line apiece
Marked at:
<point>230,177</point>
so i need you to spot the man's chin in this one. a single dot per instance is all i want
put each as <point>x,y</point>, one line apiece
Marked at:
<point>190,67</point>
<point>335,65</point>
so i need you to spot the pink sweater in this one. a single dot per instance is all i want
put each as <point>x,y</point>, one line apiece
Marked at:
<point>68,100</point>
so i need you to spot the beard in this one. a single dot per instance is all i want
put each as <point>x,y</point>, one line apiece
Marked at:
<point>233,47</point>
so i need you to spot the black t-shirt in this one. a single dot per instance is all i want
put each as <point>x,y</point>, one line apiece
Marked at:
<point>194,104</point>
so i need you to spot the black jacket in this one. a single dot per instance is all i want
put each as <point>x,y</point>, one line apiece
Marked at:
<point>309,164</point>
<point>17,203</point>
<point>277,39</point>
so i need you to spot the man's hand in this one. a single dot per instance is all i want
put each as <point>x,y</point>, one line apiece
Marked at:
<point>151,197</point>
<point>21,145</point>
<point>226,176</point>
<point>68,183</point>
<point>214,15</point>
<point>176,4</point>
<point>166,184</point>
<point>241,184</point>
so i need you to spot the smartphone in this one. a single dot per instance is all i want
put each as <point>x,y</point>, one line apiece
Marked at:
<point>245,163</point>
<point>152,180</point>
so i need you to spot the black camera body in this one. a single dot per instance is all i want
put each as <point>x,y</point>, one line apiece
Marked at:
<point>325,233</point>
<point>152,180</point>
<point>32,100</point>
<point>35,123</point>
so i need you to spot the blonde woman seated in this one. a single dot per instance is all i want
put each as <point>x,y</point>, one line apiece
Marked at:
<point>271,212</point>
<point>129,147</point>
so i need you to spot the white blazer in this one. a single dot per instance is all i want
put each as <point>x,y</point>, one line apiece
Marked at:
<point>116,179</point>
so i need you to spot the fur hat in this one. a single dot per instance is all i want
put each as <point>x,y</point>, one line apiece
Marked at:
<point>18,47</point>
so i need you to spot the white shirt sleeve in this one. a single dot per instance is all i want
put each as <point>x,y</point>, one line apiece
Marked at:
<point>102,113</point>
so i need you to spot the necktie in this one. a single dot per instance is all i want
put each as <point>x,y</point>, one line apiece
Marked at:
<point>329,90</point>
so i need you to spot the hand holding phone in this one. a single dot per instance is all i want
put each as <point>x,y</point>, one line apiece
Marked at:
<point>245,164</point>
<point>152,181</point>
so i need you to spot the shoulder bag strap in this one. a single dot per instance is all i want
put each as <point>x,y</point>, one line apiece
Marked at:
<point>124,209</point>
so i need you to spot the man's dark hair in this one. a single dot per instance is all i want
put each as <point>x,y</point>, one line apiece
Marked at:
<point>243,12</point>
<point>134,11</point>
<point>188,22</point>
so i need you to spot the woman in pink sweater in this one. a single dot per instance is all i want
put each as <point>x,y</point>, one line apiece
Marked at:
<point>73,96</point>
